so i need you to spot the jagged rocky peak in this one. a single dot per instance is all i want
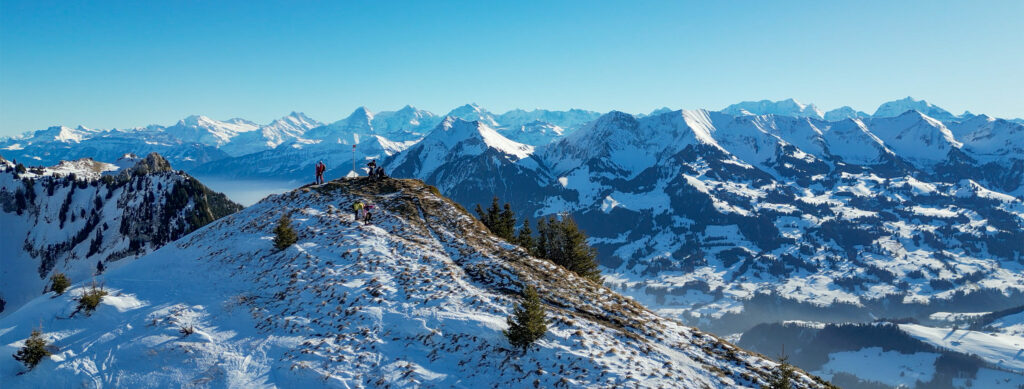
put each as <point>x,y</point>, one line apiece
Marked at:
<point>152,163</point>
<point>361,115</point>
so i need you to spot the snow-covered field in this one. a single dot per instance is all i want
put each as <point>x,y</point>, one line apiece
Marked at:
<point>874,364</point>
<point>1005,351</point>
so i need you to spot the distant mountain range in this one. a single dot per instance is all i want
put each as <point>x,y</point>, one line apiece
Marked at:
<point>289,145</point>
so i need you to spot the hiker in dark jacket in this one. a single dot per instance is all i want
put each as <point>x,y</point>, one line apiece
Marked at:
<point>369,214</point>
<point>371,167</point>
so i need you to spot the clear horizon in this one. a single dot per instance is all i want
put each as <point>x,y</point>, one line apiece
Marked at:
<point>126,64</point>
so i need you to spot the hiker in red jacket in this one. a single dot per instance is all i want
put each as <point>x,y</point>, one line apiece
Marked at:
<point>320,168</point>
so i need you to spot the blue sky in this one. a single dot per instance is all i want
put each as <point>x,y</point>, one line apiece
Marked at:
<point>131,63</point>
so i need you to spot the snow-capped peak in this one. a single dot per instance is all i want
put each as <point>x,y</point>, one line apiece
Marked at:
<point>294,120</point>
<point>473,112</point>
<point>787,107</point>
<point>230,127</point>
<point>63,134</point>
<point>844,112</point>
<point>361,113</point>
<point>404,124</point>
<point>453,131</point>
<point>202,129</point>
<point>898,107</point>
<point>196,120</point>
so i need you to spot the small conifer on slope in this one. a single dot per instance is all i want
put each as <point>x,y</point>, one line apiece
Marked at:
<point>34,350</point>
<point>527,323</point>
<point>284,234</point>
<point>91,298</point>
<point>59,283</point>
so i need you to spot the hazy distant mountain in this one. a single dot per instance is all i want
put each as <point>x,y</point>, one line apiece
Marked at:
<point>788,107</point>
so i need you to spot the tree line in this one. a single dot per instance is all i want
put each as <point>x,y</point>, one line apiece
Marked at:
<point>558,239</point>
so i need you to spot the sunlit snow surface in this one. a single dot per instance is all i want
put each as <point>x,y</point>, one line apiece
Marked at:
<point>890,367</point>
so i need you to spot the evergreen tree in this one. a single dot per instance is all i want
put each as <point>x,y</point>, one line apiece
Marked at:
<point>59,283</point>
<point>500,223</point>
<point>507,223</point>
<point>525,238</point>
<point>20,168</point>
<point>784,376</point>
<point>284,234</point>
<point>527,323</point>
<point>573,252</point>
<point>492,215</point>
<point>541,251</point>
<point>34,350</point>
<point>481,215</point>
<point>19,201</point>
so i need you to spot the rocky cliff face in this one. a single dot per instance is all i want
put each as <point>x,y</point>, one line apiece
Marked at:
<point>72,217</point>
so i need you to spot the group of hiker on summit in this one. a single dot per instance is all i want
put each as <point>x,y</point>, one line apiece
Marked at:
<point>374,172</point>
<point>360,210</point>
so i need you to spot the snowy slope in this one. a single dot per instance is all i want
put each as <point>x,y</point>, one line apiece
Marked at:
<point>1012,324</point>
<point>456,138</point>
<point>1002,350</point>
<point>916,137</point>
<point>534,133</point>
<point>416,300</point>
<point>69,217</point>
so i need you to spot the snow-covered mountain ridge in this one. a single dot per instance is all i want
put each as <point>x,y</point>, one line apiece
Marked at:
<point>730,221</point>
<point>70,217</point>
<point>417,299</point>
<point>706,215</point>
